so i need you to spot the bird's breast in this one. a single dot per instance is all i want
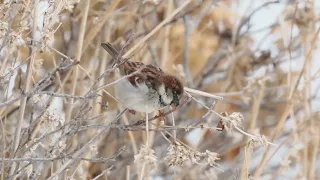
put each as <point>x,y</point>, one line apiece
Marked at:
<point>139,98</point>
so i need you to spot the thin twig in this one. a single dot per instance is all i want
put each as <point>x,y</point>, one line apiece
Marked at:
<point>156,29</point>
<point>94,30</point>
<point>78,55</point>
<point>202,93</point>
<point>84,148</point>
<point>28,78</point>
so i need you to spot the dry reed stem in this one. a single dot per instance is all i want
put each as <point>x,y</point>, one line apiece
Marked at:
<point>308,111</point>
<point>246,163</point>
<point>4,147</point>
<point>165,49</point>
<point>131,136</point>
<point>175,137</point>
<point>147,142</point>
<point>103,65</point>
<point>78,57</point>
<point>314,154</point>
<point>286,111</point>
<point>252,125</point>
<point>84,148</point>
<point>98,101</point>
<point>314,143</point>
<point>142,171</point>
<point>145,165</point>
<point>202,93</point>
<point>74,78</point>
<point>23,100</point>
<point>4,64</point>
<point>183,120</point>
<point>102,20</point>
<point>156,29</point>
<point>91,78</point>
<point>305,158</point>
<point>57,74</point>
<point>128,173</point>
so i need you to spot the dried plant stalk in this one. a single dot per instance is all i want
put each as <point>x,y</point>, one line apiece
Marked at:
<point>26,89</point>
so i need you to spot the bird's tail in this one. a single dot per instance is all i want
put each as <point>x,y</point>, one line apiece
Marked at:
<point>110,49</point>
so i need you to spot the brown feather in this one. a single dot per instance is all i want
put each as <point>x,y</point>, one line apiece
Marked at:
<point>173,83</point>
<point>152,75</point>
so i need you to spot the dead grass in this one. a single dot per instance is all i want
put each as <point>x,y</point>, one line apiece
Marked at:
<point>243,104</point>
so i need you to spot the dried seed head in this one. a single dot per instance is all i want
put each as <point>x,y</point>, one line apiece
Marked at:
<point>146,155</point>
<point>177,154</point>
<point>211,158</point>
<point>233,121</point>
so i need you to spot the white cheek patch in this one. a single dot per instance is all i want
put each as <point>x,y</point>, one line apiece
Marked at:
<point>166,98</point>
<point>162,90</point>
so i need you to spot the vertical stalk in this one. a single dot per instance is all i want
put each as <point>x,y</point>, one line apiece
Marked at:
<point>78,56</point>
<point>252,124</point>
<point>28,78</point>
<point>128,173</point>
<point>74,78</point>
<point>165,49</point>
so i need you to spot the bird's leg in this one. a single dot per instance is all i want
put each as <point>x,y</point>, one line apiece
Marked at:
<point>160,114</point>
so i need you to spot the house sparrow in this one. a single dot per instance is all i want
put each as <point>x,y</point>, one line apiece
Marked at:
<point>148,90</point>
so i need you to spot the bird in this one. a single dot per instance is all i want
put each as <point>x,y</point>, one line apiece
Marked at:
<point>144,88</point>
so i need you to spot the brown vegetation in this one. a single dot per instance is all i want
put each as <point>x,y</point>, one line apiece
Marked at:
<point>57,122</point>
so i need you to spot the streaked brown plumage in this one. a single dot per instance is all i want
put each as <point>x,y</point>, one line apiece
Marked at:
<point>161,89</point>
